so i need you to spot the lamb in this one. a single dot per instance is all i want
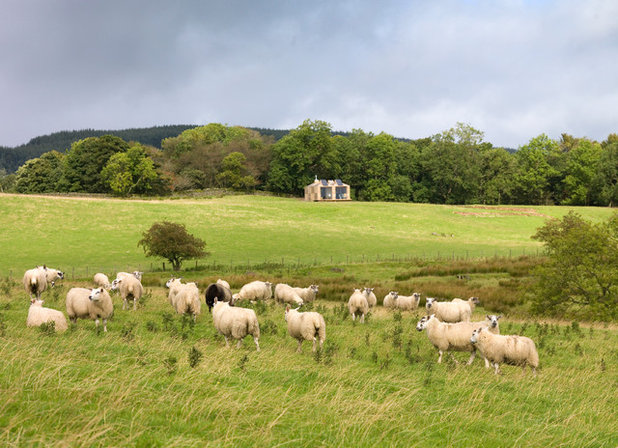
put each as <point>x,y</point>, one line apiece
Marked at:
<point>408,303</point>
<point>390,299</point>
<point>235,322</point>
<point>447,337</point>
<point>472,302</point>
<point>255,290</point>
<point>358,304</point>
<point>36,280</point>
<point>102,280</point>
<point>308,326</point>
<point>511,349</point>
<point>186,299</point>
<point>449,311</point>
<point>286,294</point>
<point>85,303</point>
<point>130,288</point>
<point>307,294</point>
<point>372,300</point>
<point>38,315</point>
<point>218,291</point>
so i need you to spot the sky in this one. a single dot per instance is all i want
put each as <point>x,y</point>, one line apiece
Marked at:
<point>511,69</point>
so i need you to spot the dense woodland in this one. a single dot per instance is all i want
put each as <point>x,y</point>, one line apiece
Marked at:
<point>454,167</point>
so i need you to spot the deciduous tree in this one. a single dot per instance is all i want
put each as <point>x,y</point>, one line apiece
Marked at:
<point>171,241</point>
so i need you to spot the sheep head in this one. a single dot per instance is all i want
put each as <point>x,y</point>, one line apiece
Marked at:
<point>493,320</point>
<point>429,301</point>
<point>95,294</point>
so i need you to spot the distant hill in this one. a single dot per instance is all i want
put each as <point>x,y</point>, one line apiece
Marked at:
<point>12,158</point>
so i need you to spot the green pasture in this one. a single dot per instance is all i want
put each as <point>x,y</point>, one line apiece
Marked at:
<point>90,235</point>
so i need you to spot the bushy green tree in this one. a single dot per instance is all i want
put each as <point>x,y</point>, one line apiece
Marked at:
<point>130,172</point>
<point>234,172</point>
<point>582,164</point>
<point>171,241</point>
<point>534,172</point>
<point>606,179</point>
<point>40,175</point>
<point>580,276</point>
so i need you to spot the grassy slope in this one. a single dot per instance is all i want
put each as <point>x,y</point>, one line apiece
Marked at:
<point>102,234</point>
<point>374,389</point>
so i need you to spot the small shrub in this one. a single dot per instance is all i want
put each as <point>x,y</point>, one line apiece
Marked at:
<point>374,357</point>
<point>6,285</point>
<point>242,362</point>
<point>195,356</point>
<point>317,355</point>
<point>48,328</point>
<point>367,337</point>
<point>171,364</point>
<point>144,299</point>
<point>127,331</point>
<point>152,326</point>
<point>578,349</point>
<point>575,327</point>
<point>397,316</point>
<point>268,327</point>
<point>386,362</point>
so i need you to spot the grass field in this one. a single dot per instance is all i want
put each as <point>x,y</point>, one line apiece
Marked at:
<point>155,380</point>
<point>102,234</point>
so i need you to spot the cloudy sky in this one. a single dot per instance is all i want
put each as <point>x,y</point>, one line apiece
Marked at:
<point>513,69</point>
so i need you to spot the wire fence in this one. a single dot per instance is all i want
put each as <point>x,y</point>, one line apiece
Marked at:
<point>239,266</point>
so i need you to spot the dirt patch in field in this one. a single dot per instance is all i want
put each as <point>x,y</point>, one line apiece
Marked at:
<point>500,211</point>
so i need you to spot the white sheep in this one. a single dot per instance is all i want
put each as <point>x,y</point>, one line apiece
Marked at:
<point>357,304</point>
<point>510,349</point>
<point>308,326</point>
<point>235,322</point>
<point>447,337</point>
<point>307,294</point>
<point>256,290</point>
<point>130,288</point>
<point>286,294</point>
<point>408,303</point>
<point>36,280</point>
<point>85,303</point>
<point>38,315</point>
<point>372,300</point>
<point>184,297</point>
<point>472,302</point>
<point>136,274</point>
<point>390,299</point>
<point>223,283</point>
<point>449,311</point>
<point>102,280</point>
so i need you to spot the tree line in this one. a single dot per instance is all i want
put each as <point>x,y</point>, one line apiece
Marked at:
<point>454,167</point>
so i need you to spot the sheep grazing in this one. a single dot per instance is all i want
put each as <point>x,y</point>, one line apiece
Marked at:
<point>510,349</point>
<point>408,303</point>
<point>38,315</point>
<point>286,294</point>
<point>390,299</point>
<point>223,283</point>
<point>449,311</point>
<point>185,298</point>
<point>357,304</point>
<point>456,337</point>
<point>217,291</point>
<point>36,280</point>
<point>85,303</point>
<point>472,302</point>
<point>235,322</point>
<point>102,280</point>
<point>308,326</point>
<point>130,288</point>
<point>307,294</point>
<point>372,300</point>
<point>256,290</point>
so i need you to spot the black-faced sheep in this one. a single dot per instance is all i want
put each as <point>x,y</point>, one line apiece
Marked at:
<point>357,304</point>
<point>308,326</point>
<point>510,349</point>
<point>449,311</point>
<point>93,304</point>
<point>38,315</point>
<point>235,322</point>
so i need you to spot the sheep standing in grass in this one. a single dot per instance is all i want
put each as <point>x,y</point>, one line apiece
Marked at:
<point>38,315</point>
<point>286,294</point>
<point>255,290</point>
<point>308,326</point>
<point>130,288</point>
<point>307,294</point>
<point>408,303</point>
<point>449,311</point>
<point>456,337</point>
<point>36,280</point>
<point>372,300</point>
<point>186,299</point>
<point>85,303</point>
<point>357,304</point>
<point>217,291</point>
<point>102,280</point>
<point>136,274</point>
<point>510,349</point>
<point>472,302</point>
<point>235,322</point>
<point>223,283</point>
<point>390,299</point>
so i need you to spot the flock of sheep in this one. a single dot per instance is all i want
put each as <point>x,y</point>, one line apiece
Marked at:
<point>447,324</point>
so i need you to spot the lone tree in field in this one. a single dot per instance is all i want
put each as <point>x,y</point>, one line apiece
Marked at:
<point>171,241</point>
<point>580,276</point>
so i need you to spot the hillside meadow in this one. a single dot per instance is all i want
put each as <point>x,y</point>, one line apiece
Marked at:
<point>102,234</point>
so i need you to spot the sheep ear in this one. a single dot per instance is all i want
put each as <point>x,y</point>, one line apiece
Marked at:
<point>499,316</point>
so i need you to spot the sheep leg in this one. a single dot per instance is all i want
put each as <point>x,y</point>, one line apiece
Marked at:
<point>96,323</point>
<point>239,343</point>
<point>257,344</point>
<point>227,344</point>
<point>362,318</point>
<point>486,363</point>
<point>497,368</point>
<point>134,304</point>
<point>440,357</point>
<point>124,303</point>
<point>299,348</point>
<point>353,316</point>
<point>313,348</point>
<point>105,325</point>
<point>453,358</point>
<point>472,355</point>
<point>194,318</point>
